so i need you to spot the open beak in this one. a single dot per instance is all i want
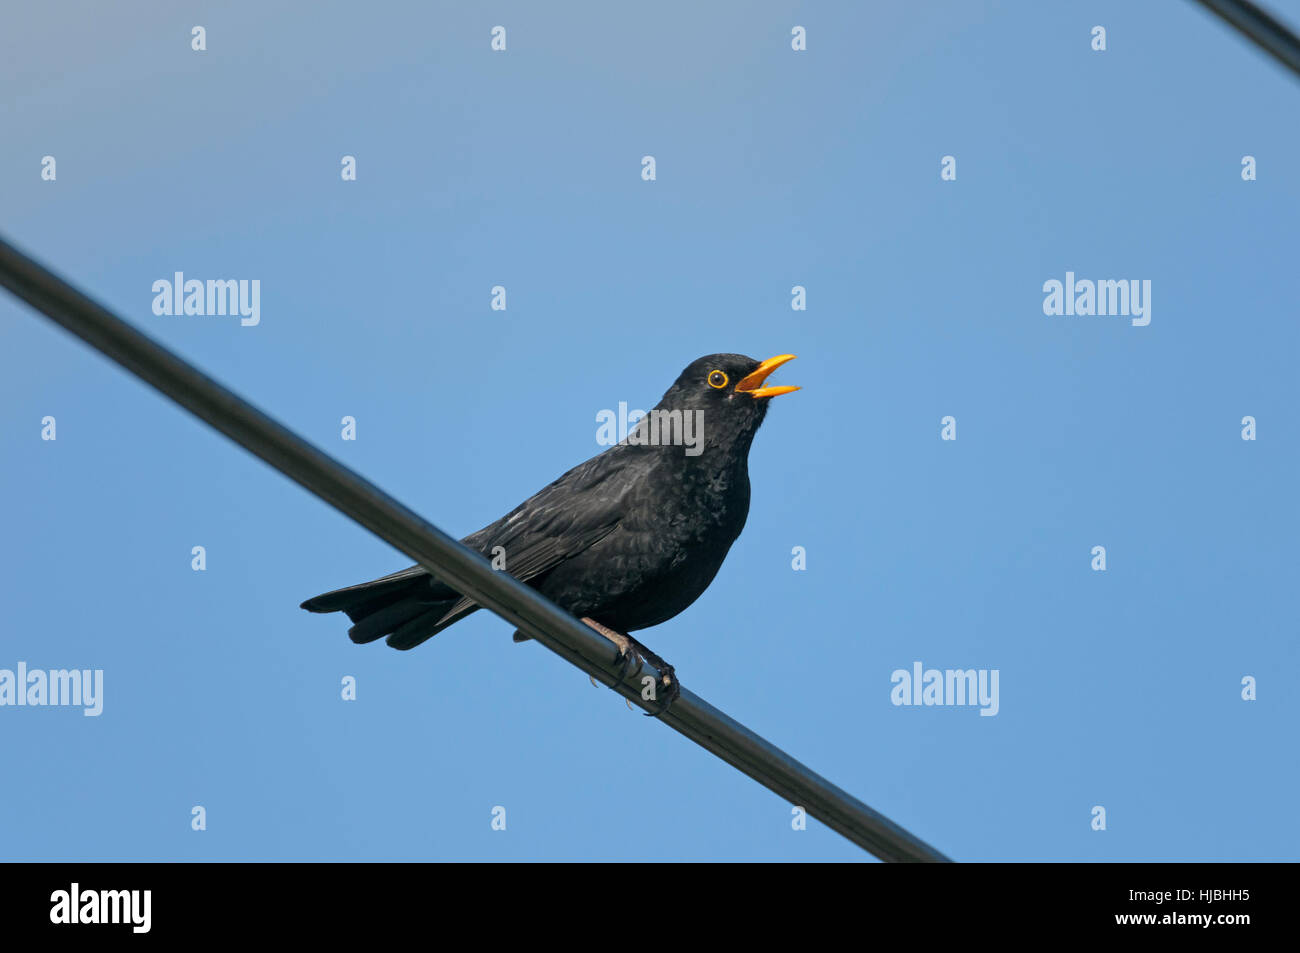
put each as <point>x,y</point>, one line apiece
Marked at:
<point>753,384</point>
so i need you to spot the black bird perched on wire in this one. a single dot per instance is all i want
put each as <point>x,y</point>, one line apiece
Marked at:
<point>624,541</point>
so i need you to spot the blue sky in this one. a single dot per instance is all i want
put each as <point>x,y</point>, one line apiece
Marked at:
<point>775,168</point>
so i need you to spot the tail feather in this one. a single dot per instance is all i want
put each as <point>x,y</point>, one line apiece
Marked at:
<point>418,628</point>
<point>408,607</point>
<point>378,622</point>
<point>413,581</point>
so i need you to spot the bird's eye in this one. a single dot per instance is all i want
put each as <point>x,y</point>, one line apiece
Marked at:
<point>717,379</point>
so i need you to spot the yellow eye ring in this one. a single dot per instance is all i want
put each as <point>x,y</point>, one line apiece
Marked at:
<point>717,379</point>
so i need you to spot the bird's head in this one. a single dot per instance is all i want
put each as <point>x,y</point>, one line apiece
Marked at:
<point>727,396</point>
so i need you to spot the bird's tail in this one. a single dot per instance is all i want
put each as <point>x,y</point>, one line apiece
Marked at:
<point>408,607</point>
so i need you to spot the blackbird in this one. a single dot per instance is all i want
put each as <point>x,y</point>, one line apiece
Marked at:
<point>624,541</point>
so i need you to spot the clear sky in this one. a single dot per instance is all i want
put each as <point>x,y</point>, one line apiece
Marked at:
<point>1119,689</point>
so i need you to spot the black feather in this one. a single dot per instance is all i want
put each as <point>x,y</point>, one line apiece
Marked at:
<point>630,538</point>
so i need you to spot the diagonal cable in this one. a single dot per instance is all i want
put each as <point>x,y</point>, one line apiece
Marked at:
<point>461,567</point>
<point>1261,27</point>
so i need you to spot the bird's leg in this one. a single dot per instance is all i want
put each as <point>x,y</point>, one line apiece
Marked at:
<point>626,649</point>
<point>669,684</point>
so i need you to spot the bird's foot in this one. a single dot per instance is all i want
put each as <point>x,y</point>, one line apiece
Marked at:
<point>627,650</point>
<point>668,688</point>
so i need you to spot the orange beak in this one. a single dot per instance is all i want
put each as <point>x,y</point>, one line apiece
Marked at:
<point>753,384</point>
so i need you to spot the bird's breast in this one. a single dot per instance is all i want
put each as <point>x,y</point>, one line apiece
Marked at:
<point>675,532</point>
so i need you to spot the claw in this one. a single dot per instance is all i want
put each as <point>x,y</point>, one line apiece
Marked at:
<point>626,659</point>
<point>626,653</point>
<point>672,689</point>
<point>629,649</point>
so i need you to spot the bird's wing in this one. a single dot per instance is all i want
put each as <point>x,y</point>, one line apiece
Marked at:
<point>561,520</point>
